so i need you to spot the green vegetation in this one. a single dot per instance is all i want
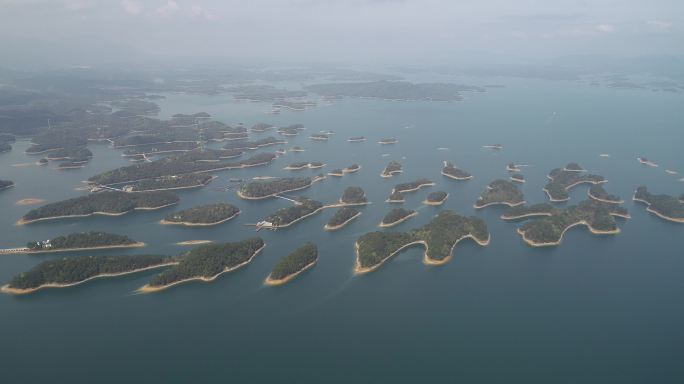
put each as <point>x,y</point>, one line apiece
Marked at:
<point>188,180</point>
<point>440,236</point>
<point>436,197</point>
<point>81,240</point>
<point>6,184</point>
<point>319,136</point>
<point>341,217</point>
<point>289,215</point>
<point>295,262</point>
<point>665,206</point>
<point>261,127</point>
<point>412,186</point>
<point>267,188</point>
<point>291,130</point>
<point>520,211</point>
<point>395,197</point>
<point>500,192</point>
<point>353,195</point>
<point>518,177</point>
<point>70,153</point>
<point>392,168</point>
<point>451,171</point>
<point>396,215</point>
<point>206,262</point>
<point>108,202</point>
<point>391,90</point>
<point>203,215</point>
<point>252,145</point>
<point>596,191</point>
<point>561,180</point>
<point>74,270</point>
<point>549,230</point>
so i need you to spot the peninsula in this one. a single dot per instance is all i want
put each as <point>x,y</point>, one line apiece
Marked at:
<point>436,198</point>
<point>393,168</point>
<point>70,271</point>
<point>451,171</point>
<point>664,206</point>
<point>561,180</point>
<point>84,241</point>
<point>342,217</point>
<point>500,192</point>
<point>252,145</point>
<point>205,215</point>
<point>107,203</point>
<point>206,263</point>
<point>293,264</point>
<point>397,216</point>
<point>439,237</point>
<point>598,193</point>
<point>263,189</point>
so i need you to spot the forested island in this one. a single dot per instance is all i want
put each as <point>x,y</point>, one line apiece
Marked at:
<point>342,217</point>
<point>412,186</point>
<point>439,237</point>
<point>561,180</point>
<point>293,264</point>
<point>205,215</point>
<point>261,127</point>
<point>395,197</point>
<point>597,192</point>
<point>356,139</point>
<point>109,203</point>
<point>284,217</point>
<point>392,168</point>
<point>517,178</point>
<point>436,198</point>
<point>396,216</point>
<point>263,189</point>
<point>451,171</point>
<point>353,196</point>
<point>291,130</point>
<point>70,271</point>
<point>4,184</point>
<point>352,168</point>
<point>388,141</point>
<point>184,181</point>
<point>206,263</point>
<point>394,90</point>
<point>319,137</point>
<point>303,164</point>
<point>77,242</point>
<point>252,145</point>
<point>664,206</point>
<point>500,192</point>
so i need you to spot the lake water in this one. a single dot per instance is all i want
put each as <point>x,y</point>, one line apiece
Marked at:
<point>596,309</point>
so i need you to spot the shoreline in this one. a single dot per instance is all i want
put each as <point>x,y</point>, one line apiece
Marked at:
<point>397,222</point>
<point>341,225</point>
<point>23,291</point>
<point>560,240</point>
<point>435,203</point>
<point>650,210</point>
<point>29,201</point>
<point>242,196</point>
<point>390,174</point>
<point>148,288</point>
<point>498,203</point>
<point>275,282</point>
<point>414,189</point>
<point>604,200</point>
<point>97,213</point>
<point>137,244</point>
<point>190,224</point>
<point>532,214</point>
<point>194,242</point>
<point>457,177</point>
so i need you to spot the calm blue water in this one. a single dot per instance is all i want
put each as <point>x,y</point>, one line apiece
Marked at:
<point>594,310</point>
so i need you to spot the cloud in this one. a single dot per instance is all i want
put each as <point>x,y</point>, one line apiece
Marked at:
<point>168,10</point>
<point>660,25</point>
<point>132,7</point>
<point>198,12</point>
<point>605,28</point>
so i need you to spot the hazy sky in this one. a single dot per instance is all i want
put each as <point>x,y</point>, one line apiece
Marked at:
<point>354,31</point>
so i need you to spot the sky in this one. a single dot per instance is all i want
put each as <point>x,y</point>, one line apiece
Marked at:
<point>86,32</point>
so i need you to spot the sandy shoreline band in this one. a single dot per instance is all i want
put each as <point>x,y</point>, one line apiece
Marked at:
<point>11,251</point>
<point>194,242</point>
<point>29,201</point>
<point>23,222</point>
<point>242,196</point>
<point>649,210</point>
<point>189,224</point>
<point>456,177</point>
<point>434,203</point>
<point>390,174</point>
<point>604,200</point>
<point>414,189</point>
<point>148,288</point>
<point>554,243</point>
<point>341,225</point>
<point>498,203</point>
<point>18,291</point>
<point>531,214</point>
<point>397,222</point>
<point>273,282</point>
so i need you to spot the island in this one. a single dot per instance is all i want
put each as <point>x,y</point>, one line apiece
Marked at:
<point>512,167</point>
<point>261,127</point>
<point>646,161</point>
<point>598,193</point>
<point>293,264</point>
<point>353,196</point>
<point>4,184</point>
<point>500,192</point>
<point>206,263</point>
<point>285,217</point>
<point>356,139</point>
<point>319,137</point>
<point>108,203</point>
<point>439,237</point>
<point>598,217</point>
<point>291,130</point>
<point>436,198</point>
<point>342,217</point>
<point>561,180</point>
<point>352,168</point>
<point>395,197</point>
<point>252,145</point>
<point>84,241</point>
<point>397,216</point>
<point>205,215</point>
<point>297,149</point>
<point>412,186</point>
<point>167,183</point>
<point>303,164</point>
<point>394,90</point>
<point>71,271</point>
<point>263,189</point>
<point>337,172</point>
<point>664,206</point>
<point>517,178</point>
<point>388,141</point>
<point>393,168</point>
<point>451,171</point>
<point>493,146</point>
